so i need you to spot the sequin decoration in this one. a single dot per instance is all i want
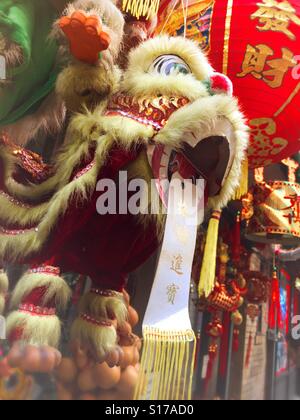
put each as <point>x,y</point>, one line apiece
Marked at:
<point>154,111</point>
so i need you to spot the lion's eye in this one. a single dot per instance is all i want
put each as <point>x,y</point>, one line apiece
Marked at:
<point>169,65</point>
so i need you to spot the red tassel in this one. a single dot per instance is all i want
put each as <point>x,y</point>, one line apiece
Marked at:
<point>249,351</point>
<point>236,246</point>
<point>236,341</point>
<point>288,305</point>
<point>275,308</point>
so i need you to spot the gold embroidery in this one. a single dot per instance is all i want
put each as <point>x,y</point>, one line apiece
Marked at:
<point>256,60</point>
<point>177,264</point>
<point>276,16</point>
<point>264,142</point>
<point>172,290</point>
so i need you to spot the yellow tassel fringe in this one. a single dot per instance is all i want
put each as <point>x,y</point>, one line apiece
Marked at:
<point>244,181</point>
<point>167,365</point>
<point>141,8</point>
<point>208,270</point>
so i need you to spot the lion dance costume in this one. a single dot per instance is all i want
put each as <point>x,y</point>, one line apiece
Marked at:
<point>168,115</point>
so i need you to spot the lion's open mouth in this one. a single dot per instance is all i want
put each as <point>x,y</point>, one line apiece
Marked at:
<point>209,158</point>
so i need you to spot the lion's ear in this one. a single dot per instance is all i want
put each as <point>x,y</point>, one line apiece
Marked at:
<point>221,84</point>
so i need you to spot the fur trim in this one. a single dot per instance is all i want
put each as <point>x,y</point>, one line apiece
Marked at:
<point>14,247</point>
<point>140,169</point>
<point>125,131</point>
<point>75,148</point>
<point>99,340</point>
<point>81,85</point>
<point>81,132</point>
<point>36,330</point>
<point>137,80</point>
<point>12,53</point>
<point>3,290</point>
<point>56,286</point>
<point>2,303</point>
<point>83,129</point>
<point>201,116</point>
<point>138,84</point>
<point>104,307</point>
<point>3,282</point>
<point>68,158</point>
<point>7,161</point>
<point>49,118</point>
<point>24,216</point>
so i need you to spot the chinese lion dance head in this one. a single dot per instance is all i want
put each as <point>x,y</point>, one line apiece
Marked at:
<point>171,98</point>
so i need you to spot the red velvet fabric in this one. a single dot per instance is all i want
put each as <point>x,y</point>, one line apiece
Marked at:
<point>106,248</point>
<point>35,297</point>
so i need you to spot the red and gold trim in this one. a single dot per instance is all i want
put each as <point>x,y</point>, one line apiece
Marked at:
<point>15,201</point>
<point>45,269</point>
<point>106,293</point>
<point>85,170</point>
<point>94,321</point>
<point>36,310</point>
<point>153,111</point>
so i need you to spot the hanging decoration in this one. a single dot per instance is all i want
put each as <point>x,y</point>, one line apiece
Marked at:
<point>227,295</point>
<point>275,318</point>
<point>258,287</point>
<point>276,205</point>
<point>223,303</point>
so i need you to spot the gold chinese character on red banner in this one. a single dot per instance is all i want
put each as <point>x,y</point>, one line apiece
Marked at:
<point>264,140</point>
<point>276,16</point>
<point>256,63</point>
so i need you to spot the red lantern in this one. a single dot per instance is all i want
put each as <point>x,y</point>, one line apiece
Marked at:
<point>256,43</point>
